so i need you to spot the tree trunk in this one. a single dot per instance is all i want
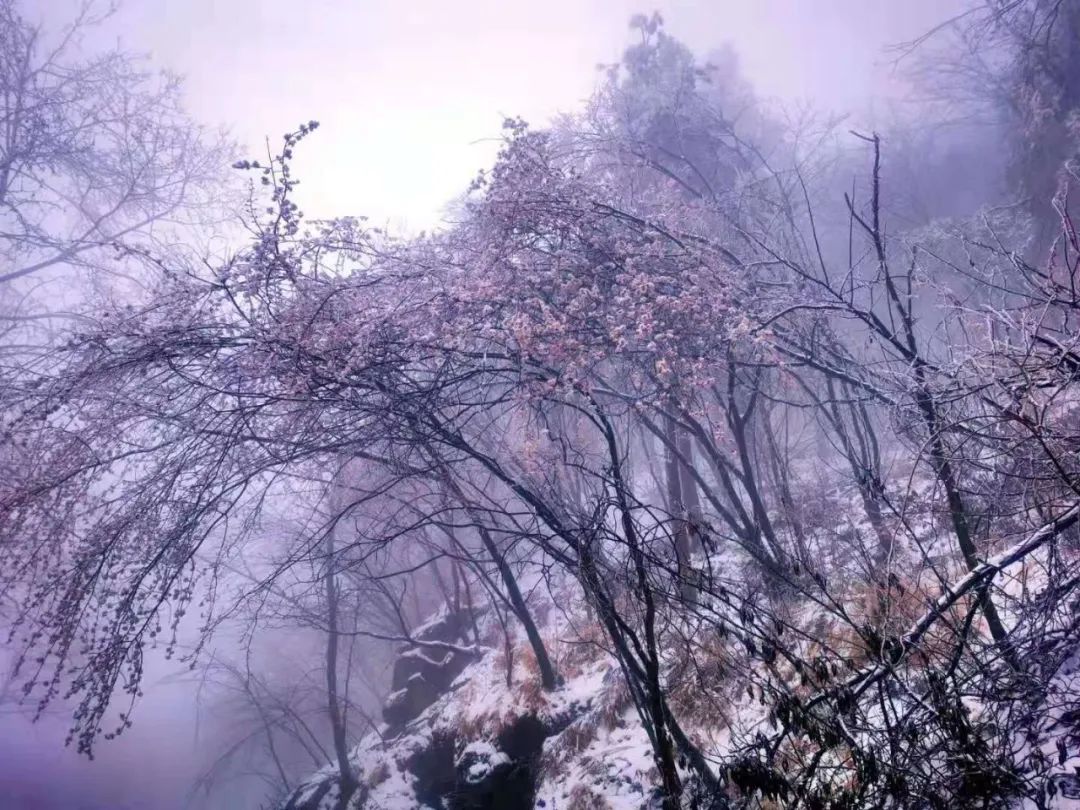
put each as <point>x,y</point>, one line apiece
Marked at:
<point>334,708</point>
<point>549,678</point>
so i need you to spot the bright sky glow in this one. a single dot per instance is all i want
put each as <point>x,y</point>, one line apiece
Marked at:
<point>411,94</point>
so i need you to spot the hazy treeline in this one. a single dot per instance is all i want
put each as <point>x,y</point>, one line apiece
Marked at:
<point>790,408</point>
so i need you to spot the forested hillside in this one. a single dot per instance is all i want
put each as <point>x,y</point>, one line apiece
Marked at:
<point>710,456</point>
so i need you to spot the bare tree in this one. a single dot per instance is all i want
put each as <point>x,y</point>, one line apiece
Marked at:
<point>97,155</point>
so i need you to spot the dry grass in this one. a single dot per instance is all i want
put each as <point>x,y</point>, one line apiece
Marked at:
<point>701,685</point>
<point>578,736</point>
<point>530,689</point>
<point>887,612</point>
<point>559,756</point>
<point>580,647</point>
<point>612,706</point>
<point>379,774</point>
<point>477,727</point>
<point>529,694</point>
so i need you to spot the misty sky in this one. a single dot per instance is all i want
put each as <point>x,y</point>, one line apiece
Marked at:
<point>410,94</point>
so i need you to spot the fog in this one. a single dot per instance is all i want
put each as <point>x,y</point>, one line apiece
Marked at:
<point>412,95</point>
<point>410,98</point>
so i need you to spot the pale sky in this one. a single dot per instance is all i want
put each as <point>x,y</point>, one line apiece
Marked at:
<point>411,93</point>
